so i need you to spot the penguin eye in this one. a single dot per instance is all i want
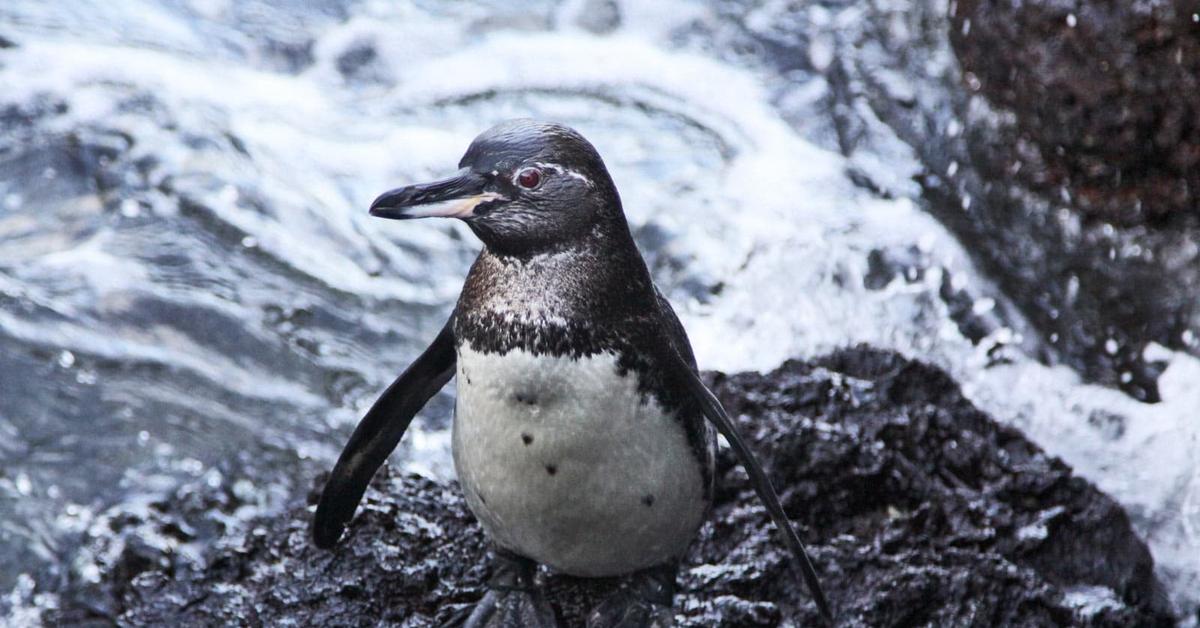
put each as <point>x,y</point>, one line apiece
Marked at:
<point>529,178</point>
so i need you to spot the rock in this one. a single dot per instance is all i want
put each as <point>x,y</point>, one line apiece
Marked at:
<point>918,510</point>
<point>1082,166</point>
<point>1106,93</point>
<point>1099,268</point>
<point>884,265</point>
<point>360,62</point>
<point>599,17</point>
<point>165,534</point>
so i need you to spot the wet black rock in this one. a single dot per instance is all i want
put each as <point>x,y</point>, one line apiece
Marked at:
<point>361,62</point>
<point>166,532</point>
<point>1098,254</point>
<point>1083,190</point>
<point>884,265</point>
<point>599,16</point>
<point>1107,94</point>
<point>918,508</point>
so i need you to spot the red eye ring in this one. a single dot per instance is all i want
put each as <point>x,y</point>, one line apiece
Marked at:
<point>529,178</point>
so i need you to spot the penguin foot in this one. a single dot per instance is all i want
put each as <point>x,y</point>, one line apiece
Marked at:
<point>644,601</point>
<point>512,609</point>
<point>513,600</point>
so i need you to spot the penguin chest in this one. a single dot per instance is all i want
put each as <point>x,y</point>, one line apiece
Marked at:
<point>564,461</point>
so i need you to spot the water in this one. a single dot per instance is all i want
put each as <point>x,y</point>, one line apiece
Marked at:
<point>191,288</point>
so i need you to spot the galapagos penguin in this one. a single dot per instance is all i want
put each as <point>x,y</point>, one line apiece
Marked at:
<point>582,436</point>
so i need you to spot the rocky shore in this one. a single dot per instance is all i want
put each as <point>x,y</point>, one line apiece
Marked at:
<point>918,508</point>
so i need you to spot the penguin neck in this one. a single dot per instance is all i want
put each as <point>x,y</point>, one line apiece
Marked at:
<point>587,282</point>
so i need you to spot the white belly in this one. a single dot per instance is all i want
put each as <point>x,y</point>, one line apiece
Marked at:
<point>563,461</point>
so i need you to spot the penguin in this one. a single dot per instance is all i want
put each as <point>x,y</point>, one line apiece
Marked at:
<point>583,437</point>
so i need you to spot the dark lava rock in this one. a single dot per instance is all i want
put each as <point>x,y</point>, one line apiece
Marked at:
<point>1021,174</point>
<point>599,16</point>
<point>884,265</point>
<point>361,62</point>
<point>164,535</point>
<point>918,509</point>
<point>1084,189</point>
<point>1106,93</point>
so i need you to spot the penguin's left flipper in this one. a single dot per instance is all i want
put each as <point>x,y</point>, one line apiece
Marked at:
<point>716,414</point>
<point>378,434</point>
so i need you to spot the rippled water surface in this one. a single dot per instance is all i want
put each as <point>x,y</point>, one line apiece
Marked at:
<point>190,286</point>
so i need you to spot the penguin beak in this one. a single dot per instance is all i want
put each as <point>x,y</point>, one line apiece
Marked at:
<point>460,196</point>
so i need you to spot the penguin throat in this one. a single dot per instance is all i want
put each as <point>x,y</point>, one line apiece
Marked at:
<point>528,243</point>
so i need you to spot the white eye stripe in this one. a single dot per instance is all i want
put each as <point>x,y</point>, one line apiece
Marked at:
<point>570,173</point>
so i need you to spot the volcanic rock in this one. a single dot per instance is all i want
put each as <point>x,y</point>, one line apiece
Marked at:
<point>918,509</point>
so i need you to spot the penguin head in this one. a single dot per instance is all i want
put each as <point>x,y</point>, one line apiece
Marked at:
<point>523,186</point>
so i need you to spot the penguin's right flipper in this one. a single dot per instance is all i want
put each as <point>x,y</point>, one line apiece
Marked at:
<point>378,434</point>
<point>716,414</point>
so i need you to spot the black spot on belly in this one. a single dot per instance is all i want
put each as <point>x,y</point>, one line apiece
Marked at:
<point>526,438</point>
<point>648,500</point>
<point>551,469</point>
<point>525,399</point>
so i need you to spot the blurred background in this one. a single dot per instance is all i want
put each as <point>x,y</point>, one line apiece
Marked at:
<point>193,295</point>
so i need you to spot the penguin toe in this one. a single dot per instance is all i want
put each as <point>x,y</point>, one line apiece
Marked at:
<point>512,609</point>
<point>625,609</point>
